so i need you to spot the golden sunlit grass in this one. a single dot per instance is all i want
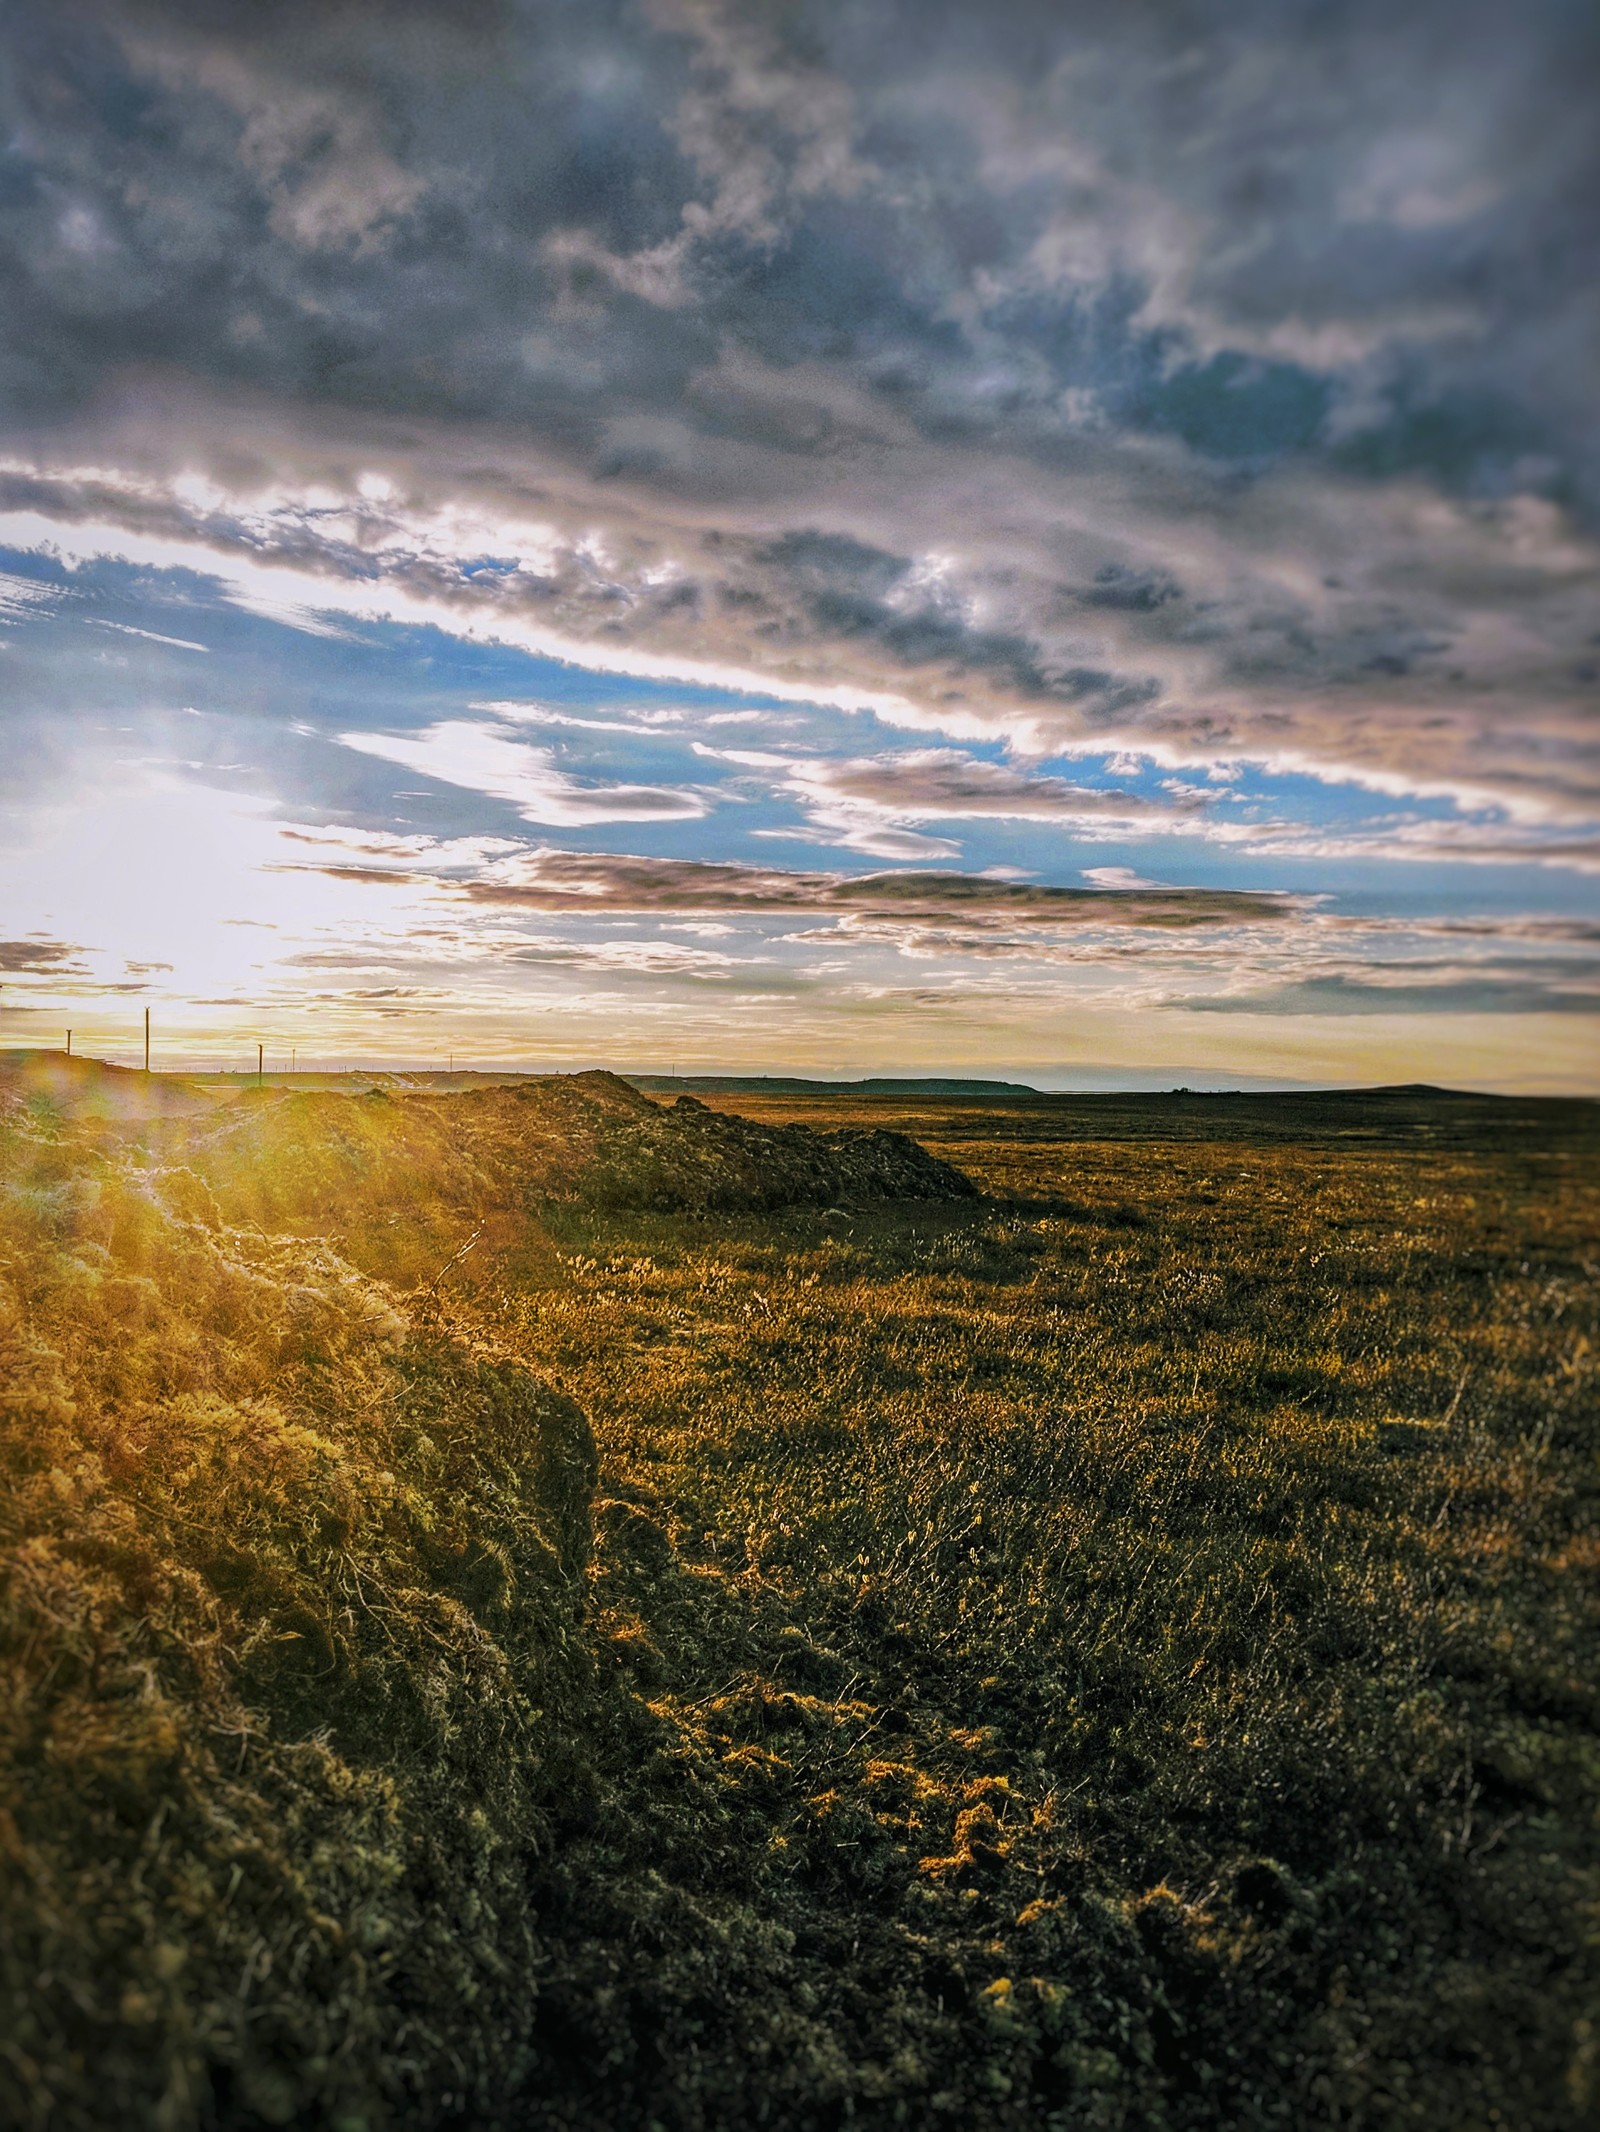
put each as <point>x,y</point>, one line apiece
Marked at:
<point>291,1588</point>
<point>1116,1654</point>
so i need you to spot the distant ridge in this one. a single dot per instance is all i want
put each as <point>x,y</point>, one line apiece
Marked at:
<point>759,1084</point>
<point>79,1081</point>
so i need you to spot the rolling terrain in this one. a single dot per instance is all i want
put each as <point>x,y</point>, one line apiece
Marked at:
<point>533,1608</point>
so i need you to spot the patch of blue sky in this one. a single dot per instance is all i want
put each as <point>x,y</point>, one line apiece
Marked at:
<point>398,663</point>
<point>1424,889</point>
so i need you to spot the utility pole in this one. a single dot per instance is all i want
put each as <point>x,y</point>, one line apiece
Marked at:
<point>261,1073</point>
<point>147,1039</point>
<point>69,1043</point>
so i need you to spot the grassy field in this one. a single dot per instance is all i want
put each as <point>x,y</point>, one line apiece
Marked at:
<point>1119,1653</point>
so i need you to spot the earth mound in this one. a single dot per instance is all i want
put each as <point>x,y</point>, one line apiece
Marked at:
<point>685,1157</point>
<point>286,1161</point>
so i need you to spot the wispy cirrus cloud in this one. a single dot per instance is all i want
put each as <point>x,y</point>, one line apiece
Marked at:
<point>151,636</point>
<point>25,598</point>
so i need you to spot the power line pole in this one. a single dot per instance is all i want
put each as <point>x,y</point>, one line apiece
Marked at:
<point>261,1072</point>
<point>147,1039</point>
<point>69,1043</point>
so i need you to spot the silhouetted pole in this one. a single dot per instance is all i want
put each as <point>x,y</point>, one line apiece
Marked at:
<point>261,1071</point>
<point>69,1043</point>
<point>147,1039</point>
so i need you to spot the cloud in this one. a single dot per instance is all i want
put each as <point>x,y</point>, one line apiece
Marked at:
<point>864,804</point>
<point>544,714</point>
<point>962,369</point>
<point>1117,877</point>
<point>1580,931</point>
<point>867,803</point>
<point>151,636</point>
<point>848,800</point>
<point>315,152</point>
<point>435,854</point>
<point>856,829</point>
<point>1400,991</point>
<point>650,958</point>
<point>41,958</point>
<point>1289,648</point>
<point>593,883</point>
<point>25,599</point>
<point>424,948</point>
<point>1428,841</point>
<point>485,759</point>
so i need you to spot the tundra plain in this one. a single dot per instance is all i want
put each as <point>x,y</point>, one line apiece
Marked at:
<point>536,1608</point>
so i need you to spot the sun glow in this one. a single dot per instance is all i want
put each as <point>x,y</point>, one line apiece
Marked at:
<point>201,913</point>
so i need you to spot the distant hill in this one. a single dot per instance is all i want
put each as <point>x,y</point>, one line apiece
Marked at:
<point>772,1084</point>
<point>947,1118</point>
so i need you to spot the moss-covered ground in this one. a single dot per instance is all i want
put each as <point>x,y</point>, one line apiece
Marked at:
<point>1122,1653</point>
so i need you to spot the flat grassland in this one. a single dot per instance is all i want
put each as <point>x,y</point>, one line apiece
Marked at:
<point>1121,1653</point>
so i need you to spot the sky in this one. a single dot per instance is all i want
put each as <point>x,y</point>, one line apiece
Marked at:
<point>1056,541</point>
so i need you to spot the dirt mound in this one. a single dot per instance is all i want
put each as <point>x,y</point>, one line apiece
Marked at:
<point>431,1168</point>
<point>688,1157</point>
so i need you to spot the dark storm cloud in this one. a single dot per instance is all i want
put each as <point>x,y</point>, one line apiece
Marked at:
<point>969,212</point>
<point>1214,379</point>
